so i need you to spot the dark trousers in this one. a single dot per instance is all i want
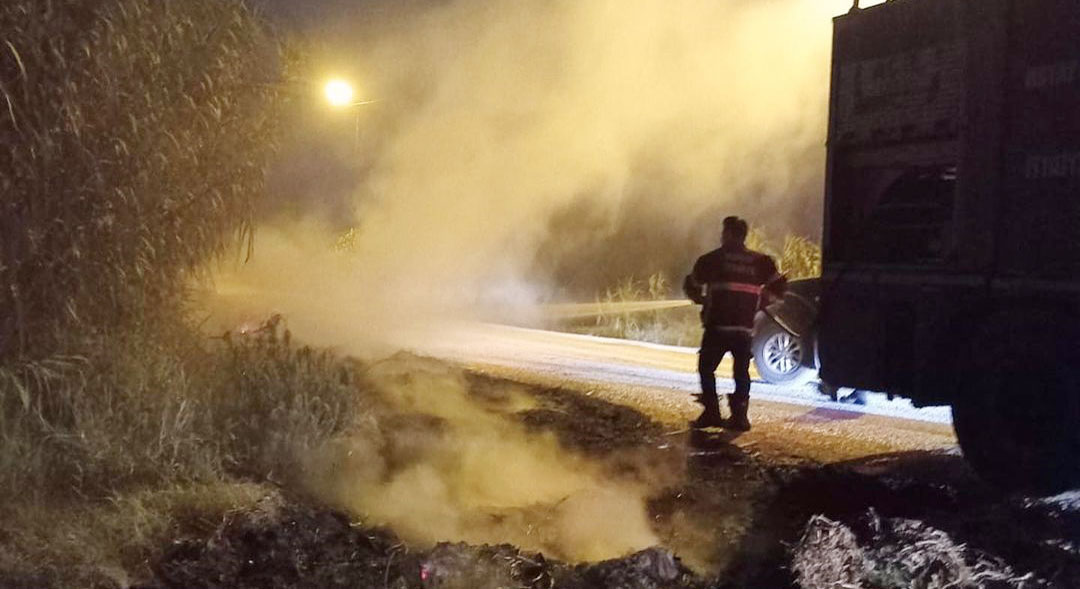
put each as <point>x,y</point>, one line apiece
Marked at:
<point>714,344</point>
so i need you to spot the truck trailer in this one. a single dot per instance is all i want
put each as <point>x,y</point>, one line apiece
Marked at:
<point>951,240</point>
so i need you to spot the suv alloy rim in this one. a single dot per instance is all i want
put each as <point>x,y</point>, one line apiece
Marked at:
<point>782,353</point>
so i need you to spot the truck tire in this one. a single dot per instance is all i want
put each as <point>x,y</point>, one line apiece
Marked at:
<point>780,356</point>
<point>1017,415</point>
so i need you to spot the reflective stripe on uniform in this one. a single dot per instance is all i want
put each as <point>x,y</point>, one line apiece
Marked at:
<point>736,287</point>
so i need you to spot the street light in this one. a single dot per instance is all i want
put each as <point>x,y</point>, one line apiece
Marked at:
<point>340,94</point>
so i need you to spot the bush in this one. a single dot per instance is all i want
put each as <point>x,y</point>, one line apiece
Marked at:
<point>666,322</point>
<point>152,412</point>
<point>798,257</point>
<point>133,137</point>
<point>133,140</point>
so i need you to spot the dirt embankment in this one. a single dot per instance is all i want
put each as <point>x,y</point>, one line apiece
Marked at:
<point>721,515</point>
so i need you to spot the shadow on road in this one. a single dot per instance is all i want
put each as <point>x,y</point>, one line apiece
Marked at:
<point>823,414</point>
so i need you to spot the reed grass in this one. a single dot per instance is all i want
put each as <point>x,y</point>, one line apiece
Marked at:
<point>133,140</point>
<point>134,137</point>
<point>797,257</point>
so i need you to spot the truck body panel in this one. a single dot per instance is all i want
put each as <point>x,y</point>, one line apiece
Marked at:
<point>952,184</point>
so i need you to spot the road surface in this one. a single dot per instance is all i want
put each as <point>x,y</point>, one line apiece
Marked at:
<point>659,379</point>
<point>591,359</point>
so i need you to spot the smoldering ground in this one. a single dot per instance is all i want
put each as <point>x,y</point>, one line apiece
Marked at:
<point>447,458</point>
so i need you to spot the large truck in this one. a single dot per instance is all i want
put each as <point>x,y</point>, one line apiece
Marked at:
<point>951,238</point>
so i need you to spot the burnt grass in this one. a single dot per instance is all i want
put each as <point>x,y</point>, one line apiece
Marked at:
<point>299,546</point>
<point>738,514</point>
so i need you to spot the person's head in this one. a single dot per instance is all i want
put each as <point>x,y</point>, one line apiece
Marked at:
<point>734,233</point>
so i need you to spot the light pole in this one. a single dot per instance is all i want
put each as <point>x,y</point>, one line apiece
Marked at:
<point>341,94</point>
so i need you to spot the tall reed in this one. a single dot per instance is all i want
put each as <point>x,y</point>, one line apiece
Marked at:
<point>133,140</point>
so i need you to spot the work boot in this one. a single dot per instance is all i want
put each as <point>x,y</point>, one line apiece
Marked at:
<point>711,416</point>
<point>857,397</point>
<point>708,419</point>
<point>738,420</point>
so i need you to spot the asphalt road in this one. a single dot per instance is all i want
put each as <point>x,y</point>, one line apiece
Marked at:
<point>590,359</point>
<point>659,380</point>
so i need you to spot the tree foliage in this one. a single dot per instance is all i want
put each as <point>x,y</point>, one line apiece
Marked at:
<point>133,140</point>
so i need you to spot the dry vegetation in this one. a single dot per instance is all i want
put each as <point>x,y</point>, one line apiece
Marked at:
<point>678,326</point>
<point>133,140</point>
<point>798,258</point>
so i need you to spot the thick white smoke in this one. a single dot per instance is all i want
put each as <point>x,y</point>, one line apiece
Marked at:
<point>525,108</point>
<point>446,467</point>
<point>511,138</point>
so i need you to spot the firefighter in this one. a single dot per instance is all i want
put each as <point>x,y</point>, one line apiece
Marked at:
<point>729,283</point>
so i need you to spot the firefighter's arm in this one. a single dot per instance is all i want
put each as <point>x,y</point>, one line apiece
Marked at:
<point>775,285</point>
<point>695,291</point>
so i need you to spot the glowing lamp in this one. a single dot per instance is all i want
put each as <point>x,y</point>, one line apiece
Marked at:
<point>340,93</point>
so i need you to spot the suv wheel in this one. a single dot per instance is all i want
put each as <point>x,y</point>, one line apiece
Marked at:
<point>780,356</point>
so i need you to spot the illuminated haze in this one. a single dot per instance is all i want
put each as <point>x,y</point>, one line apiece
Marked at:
<point>551,125</point>
<point>524,150</point>
<point>521,152</point>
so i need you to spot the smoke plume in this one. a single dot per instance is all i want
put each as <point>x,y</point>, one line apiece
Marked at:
<point>558,143</point>
<point>520,152</point>
<point>440,464</point>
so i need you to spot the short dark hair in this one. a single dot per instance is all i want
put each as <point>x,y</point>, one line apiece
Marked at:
<point>737,227</point>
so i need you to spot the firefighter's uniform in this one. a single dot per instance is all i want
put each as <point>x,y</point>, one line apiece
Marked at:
<point>729,284</point>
